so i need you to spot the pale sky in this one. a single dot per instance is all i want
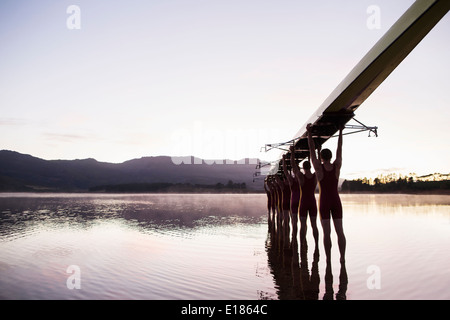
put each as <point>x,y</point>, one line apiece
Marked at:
<point>214,79</point>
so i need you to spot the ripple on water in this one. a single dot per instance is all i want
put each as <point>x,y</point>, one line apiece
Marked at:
<point>207,247</point>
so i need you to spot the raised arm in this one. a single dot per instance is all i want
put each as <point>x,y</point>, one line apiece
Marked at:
<point>294,164</point>
<point>312,149</point>
<point>298,174</point>
<point>338,161</point>
<point>278,183</point>
<point>286,173</point>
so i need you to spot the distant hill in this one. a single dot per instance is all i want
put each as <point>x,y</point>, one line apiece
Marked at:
<point>21,172</point>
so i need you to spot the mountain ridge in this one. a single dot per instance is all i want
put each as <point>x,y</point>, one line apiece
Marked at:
<point>24,172</point>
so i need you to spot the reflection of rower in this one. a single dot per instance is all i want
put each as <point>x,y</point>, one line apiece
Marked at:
<point>309,282</point>
<point>292,278</point>
<point>343,283</point>
<point>280,260</point>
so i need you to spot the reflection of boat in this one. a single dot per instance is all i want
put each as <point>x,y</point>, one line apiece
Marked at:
<point>366,76</point>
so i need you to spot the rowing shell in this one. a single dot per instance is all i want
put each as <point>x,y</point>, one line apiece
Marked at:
<point>369,73</point>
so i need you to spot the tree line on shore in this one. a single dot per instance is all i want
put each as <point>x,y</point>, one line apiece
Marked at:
<point>398,183</point>
<point>162,187</point>
<point>391,183</point>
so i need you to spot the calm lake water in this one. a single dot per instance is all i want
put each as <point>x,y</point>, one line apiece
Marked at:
<point>107,246</point>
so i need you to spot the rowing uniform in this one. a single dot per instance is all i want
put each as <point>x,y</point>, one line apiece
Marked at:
<point>273,199</point>
<point>330,202</point>
<point>308,199</point>
<point>295,196</point>
<point>286,194</point>
<point>269,199</point>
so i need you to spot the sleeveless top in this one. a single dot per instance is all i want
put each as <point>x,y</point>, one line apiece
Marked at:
<point>286,194</point>
<point>308,189</point>
<point>329,184</point>
<point>295,191</point>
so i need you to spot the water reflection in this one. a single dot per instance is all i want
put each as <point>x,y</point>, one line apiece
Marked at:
<point>343,283</point>
<point>131,246</point>
<point>289,266</point>
<point>21,214</point>
<point>208,246</point>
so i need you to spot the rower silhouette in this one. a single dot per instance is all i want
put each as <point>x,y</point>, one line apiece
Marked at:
<point>308,183</point>
<point>330,205</point>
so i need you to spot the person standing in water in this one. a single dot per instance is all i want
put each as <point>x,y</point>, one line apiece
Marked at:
<point>294,186</point>
<point>308,183</point>
<point>268,189</point>
<point>285,200</point>
<point>278,201</point>
<point>330,205</point>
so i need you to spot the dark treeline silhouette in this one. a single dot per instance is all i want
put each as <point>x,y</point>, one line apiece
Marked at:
<point>163,187</point>
<point>395,183</point>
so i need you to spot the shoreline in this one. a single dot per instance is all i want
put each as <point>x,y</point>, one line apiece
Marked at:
<point>430,192</point>
<point>437,192</point>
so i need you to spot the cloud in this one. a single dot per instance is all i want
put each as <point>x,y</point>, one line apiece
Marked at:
<point>12,122</point>
<point>59,137</point>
